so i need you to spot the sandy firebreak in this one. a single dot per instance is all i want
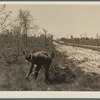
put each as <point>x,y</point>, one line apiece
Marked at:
<point>87,59</point>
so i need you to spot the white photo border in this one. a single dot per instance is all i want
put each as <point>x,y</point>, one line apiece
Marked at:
<point>50,94</point>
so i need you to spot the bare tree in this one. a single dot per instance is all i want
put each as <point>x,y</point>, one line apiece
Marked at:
<point>4,17</point>
<point>80,39</point>
<point>45,32</point>
<point>97,40</point>
<point>26,20</point>
<point>16,31</point>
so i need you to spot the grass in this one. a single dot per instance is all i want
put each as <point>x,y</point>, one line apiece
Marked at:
<point>12,78</point>
<point>12,75</point>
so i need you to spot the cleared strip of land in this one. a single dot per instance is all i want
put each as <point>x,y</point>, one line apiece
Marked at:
<point>87,59</point>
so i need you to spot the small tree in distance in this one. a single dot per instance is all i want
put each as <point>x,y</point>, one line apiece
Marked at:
<point>45,32</point>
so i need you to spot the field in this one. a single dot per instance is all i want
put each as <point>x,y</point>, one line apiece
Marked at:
<point>86,66</point>
<point>13,67</point>
<point>82,73</point>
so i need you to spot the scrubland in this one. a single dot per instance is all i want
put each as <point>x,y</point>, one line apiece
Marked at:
<point>13,68</point>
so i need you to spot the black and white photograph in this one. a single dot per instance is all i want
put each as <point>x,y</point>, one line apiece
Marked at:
<point>49,47</point>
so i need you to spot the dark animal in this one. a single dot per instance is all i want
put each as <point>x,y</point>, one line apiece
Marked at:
<point>40,58</point>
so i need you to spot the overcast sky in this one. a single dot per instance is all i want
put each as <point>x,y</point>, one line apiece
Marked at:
<point>64,19</point>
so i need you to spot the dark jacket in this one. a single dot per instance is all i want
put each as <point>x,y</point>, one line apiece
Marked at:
<point>40,58</point>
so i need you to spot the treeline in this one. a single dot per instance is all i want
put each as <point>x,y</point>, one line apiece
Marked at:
<point>82,41</point>
<point>16,43</point>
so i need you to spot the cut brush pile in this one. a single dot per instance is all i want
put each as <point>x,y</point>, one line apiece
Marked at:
<point>60,70</point>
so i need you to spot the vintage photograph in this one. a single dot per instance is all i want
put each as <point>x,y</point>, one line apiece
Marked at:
<point>49,47</point>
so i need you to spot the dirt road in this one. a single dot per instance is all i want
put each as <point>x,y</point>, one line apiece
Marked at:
<point>87,59</point>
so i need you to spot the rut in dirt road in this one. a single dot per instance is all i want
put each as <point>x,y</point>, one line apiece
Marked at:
<point>87,59</point>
